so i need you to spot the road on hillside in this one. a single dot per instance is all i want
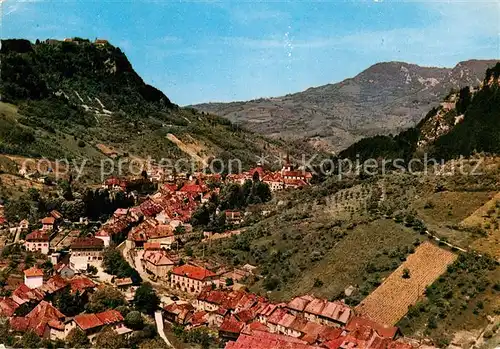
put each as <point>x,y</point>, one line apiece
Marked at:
<point>159,327</point>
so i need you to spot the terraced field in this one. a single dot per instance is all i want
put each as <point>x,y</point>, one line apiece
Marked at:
<point>487,218</point>
<point>390,301</point>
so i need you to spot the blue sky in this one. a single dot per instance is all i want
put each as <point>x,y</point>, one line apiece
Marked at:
<point>224,51</point>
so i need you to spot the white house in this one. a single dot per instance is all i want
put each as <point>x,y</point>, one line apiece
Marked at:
<point>191,279</point>
<point>104,236</point>
<point>33,277</point>
<point>37,241</point>
<point>85,252</point>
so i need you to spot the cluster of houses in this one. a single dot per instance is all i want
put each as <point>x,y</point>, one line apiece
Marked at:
<point>84,251</point>
<point>39,240</point>
<point>287,177</point>
<point>192,278</point>
<point>246,320</point>
<point>152,228</point>
<point>44,318</point>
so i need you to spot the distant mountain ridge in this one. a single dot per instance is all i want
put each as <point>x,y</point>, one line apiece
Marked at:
<point>385,98</point>
<point>76,99</point>
<point>465,123</point>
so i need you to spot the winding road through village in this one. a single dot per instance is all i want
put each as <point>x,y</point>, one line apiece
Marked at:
<point>137,265</point>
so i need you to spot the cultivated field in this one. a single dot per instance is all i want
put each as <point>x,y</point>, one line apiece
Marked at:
<point>344,262</point>
<point>390,301</point>
<point>348,201</point>
<point>487,217</point>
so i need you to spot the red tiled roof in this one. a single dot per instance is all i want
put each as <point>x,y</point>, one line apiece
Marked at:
<point>193,272</point>
<point>330,333</point>
<point>191,188</point>
<point>157,258</point>
<point>43,315</point>
<point>48,220</point>
<point>112,181</point>
<point>56,324</point>
<point>110,317</point>
<point>19,323</point>
<point>176,308</point>
<point>228,299</point>
<point>169,187</point>
<point>231,325</point>
<point>359,323</point>
<point>267,310</point>
<point>123,282</point>
<point>246,301</point>
<point>150,208</point>
<point>23,294</point>
<point>276,316</point>
<point>222,311</point>
<point>315,306</point>
<point>54,284</point>
<point>37,235</point>
<point>120,212</point>
<point>272,177</point>
<point>181,311</point>
<point>81,283</point>
<point>8,307</point>
<point>33,271</point>
<point>335,343</point>
<point>299,174</point>
<point>265,340</point>
<point>102,233</point>
<point>295,182</point>
<point>87,321</point>
<point>199,318</point>
<point>287,320</point>
<point>337,311</point>
<point>245,316</point>
<point>138,235</point>
<point>311,331</point>
<point>152,246</point>
<point>160,231</point>
<point>254,326</point>
<point>299,303</point>
<point>56,214</point>
<point>90,243</point>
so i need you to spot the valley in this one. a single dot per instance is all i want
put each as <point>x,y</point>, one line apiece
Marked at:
<point>275,255</point>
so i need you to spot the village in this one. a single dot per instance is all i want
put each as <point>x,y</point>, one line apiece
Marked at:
<point>193,293</point>
<point>249,175</point>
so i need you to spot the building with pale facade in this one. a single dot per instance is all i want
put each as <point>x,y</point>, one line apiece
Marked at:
<point>85,252</point>
<point>37,241</point>
<point>191,279</point>
<point>33,277</point>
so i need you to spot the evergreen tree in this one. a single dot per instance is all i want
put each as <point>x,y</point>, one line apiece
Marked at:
<point>145,299</point>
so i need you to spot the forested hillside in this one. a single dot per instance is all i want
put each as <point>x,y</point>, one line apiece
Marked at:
<point>466,122</point>
<point>81,99</point>
<point>387,97</point>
